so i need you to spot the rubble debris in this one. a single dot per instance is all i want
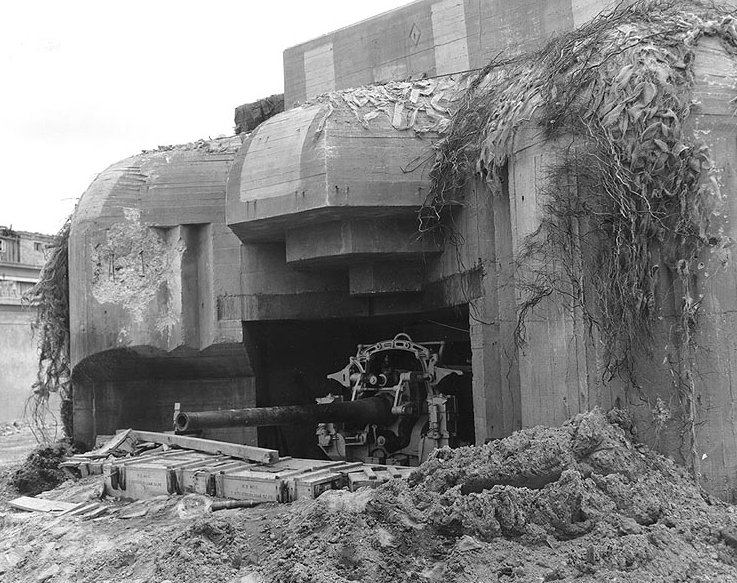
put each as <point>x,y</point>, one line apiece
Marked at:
<point>10,428</point>
<point>604,509</point>
<point>220,144</point>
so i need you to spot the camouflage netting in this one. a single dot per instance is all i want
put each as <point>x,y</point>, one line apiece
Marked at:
<point>424,106</point>
<point>633,192</point>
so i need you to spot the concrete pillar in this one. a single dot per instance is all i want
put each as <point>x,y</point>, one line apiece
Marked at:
<point>492,320</point>
<point>715,274</point>
<point>84,415</point>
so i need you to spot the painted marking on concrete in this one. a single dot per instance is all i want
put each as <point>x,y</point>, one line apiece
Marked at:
<point>319,70</point>
<point>449,33</point>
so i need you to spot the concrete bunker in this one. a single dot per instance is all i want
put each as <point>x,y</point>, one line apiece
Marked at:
<point>296,244</point>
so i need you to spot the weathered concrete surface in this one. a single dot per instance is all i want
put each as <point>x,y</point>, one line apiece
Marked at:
<point>150,253</point>
<point>324,163</point>
<point>334,188</point>
<point>149,257</point>
<point>713,121</point>
<point>429,37</point>
<point>320,201</point>
<point>560,369</point>
<point>250,115</point>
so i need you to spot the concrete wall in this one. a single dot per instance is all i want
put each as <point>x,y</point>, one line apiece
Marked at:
<point>559,370</point>
<point>715,282</point>
<point>428,37</point>
<point>149,253</point>
<point>23,247</point>
<point>150,259</point>
<point>148,403</point>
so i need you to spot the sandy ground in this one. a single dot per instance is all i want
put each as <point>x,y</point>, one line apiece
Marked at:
<point>15,444</point>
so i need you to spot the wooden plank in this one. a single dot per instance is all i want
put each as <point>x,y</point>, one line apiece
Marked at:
<point>32,504</point>
<point>94,513</point>
<point>74,509</point>
<point>244,452</point>
<point>83,509</point>
<point>121,441</point>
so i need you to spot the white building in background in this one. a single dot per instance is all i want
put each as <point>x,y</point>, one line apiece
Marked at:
<point>22,255</point>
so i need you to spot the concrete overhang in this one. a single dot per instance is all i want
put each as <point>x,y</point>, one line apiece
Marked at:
<point>333,185</point>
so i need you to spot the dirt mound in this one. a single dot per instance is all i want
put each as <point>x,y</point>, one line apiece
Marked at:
<point>41,470</point>
<point>579,503</point>
<point>545,504</point>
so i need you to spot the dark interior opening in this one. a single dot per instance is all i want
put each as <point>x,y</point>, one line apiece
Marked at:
<point>292,359</point>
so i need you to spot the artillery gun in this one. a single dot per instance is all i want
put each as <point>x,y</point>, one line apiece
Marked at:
<point>389,409</point>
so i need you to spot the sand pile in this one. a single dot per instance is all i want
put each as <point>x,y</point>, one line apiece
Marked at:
<point>579,502</point>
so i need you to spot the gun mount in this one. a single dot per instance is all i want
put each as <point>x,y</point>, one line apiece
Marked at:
<point>389,409</point>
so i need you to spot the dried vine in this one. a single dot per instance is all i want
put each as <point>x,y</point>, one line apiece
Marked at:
<point>50,298</point>
<point>631,193</point>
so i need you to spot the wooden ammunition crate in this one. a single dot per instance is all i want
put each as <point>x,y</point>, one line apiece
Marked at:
<point>182,471</point>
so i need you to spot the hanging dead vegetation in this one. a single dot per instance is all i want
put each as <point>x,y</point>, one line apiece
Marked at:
<point>50,298</point>
<point>633,190</point>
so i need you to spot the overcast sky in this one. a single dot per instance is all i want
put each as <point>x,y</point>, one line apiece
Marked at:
<point>87,83</point>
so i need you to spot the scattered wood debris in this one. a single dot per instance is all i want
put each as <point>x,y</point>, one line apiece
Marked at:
<point>40,505</point>
<point>59,507</point>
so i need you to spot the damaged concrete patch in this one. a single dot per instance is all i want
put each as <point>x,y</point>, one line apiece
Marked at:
<point>135,264</point>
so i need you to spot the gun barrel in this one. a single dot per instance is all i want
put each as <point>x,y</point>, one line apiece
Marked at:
<point>374,410</point>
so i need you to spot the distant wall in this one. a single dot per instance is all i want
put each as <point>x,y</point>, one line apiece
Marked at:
<point>21,256</point>
<point>19,361</point>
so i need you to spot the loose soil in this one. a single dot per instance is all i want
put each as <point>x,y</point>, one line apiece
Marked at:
<point>579,502</point>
